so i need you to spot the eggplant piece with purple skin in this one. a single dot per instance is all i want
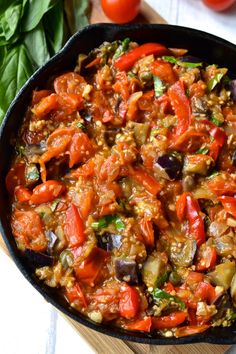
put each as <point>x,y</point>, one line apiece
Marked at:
<point>232,89</point>
<point>52,240</point>
<point>126,270</point>
<point>168,167</point>
<point>108,241</point>
<point>38,259</point>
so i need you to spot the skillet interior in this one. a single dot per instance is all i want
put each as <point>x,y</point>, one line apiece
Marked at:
<point>210,48</point>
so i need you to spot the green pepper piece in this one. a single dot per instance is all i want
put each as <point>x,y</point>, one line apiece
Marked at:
<point>161,294</point>
<point>202,151</point>
<point>159,87</point>
<point>122,48</point>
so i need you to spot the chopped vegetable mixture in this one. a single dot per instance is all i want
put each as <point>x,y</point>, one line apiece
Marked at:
<point>123,188</point>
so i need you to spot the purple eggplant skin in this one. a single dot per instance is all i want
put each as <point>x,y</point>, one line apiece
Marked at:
<point>126,270</point>
<point>171,164</point>
<point>232,88</point>
<point>52,240</point>
<point>38,259</point>
<point>190,59</point>
<point>108,241</point>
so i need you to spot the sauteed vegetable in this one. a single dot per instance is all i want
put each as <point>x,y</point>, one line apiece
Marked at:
<point>123,188</point>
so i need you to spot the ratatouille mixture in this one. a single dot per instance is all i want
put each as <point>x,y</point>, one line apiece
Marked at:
<point>123,189</point>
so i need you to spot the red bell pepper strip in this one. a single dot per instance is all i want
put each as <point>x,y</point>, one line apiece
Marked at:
<point>74,227</point>
<point>75,293</point>
<point>129,302</point>
<point>143,325</point>
<point>127,61</point>
<point>206,258</point>
<point>191,209</point>
<point>147,232</point>
<point>148,182</point>
<point>164,71</point>
<point>170,321</point>
<point>205,292</point>
<point>229,204</point>
<point>190,330</point>
<point>89,270</point>
<point>181,106</point>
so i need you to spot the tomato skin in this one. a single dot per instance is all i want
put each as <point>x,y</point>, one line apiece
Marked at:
<point>206,258</point>
<point>219,5</point>
<point>69,83</point>
<point>46,105</point>
<point>27,228</point>
<point>129,302</point>
<point>205,292</point>
<point>229,204</point>
<point>148,182</point>
<point>80,149</point>
<point>173,320</point>
<point>75,293</point>
<point>47,192</point>
<point>190,330</point>
<point>164,71</point>
<point>121,11</point>
<point>22,194</point>
<point>74,227</point>
<point>147,231</point>
<point>143,325</point>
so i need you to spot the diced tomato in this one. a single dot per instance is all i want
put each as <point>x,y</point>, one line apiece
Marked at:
<point>74,293</point>
<point>181,205</point>
<point>214,150</point>
<point>46,105</point>
<point>70,82</point>
<point>121,85</point>
<point>22,194</point>
<point>70,102</point>
<point>74,227</point>
<point>194,278</point>
<point>147,232</point>
<point>126,61</point>
<point>205,292</point>
<point>181,105</point>
<point>229,204</point>
<point>148,182</point>
<point>90,269</point>
<point>47,192</point>
<point>168,287</point>
<point>170,321</point>
<point>86,170</point>
<point>28,229</point>
<point>110,168</point>
<point>222,184</point>
<point>206,258</point>
<point>143,325</point>
<point>87,203</point>
<point>190,330</point>
<point>164,71</point>
<point>15,177</point>
<point>80,149</point>
<point>219,135</point>
<point>129,302</point>
<point>38,95</point>
<point>146,101</point>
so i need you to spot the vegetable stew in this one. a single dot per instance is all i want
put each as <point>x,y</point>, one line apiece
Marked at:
<point>123,188</point>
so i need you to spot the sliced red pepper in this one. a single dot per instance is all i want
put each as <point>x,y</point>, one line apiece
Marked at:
<point>143,325</point>
<point>189,207</point>
<point>205,292</point>
<point>89,270</point>
<point>129,302</point>
<point>148,182</point>
<point>219,135</point>
<point>214,150</point>
<point>74,227</point>
<point>127,61</point>
<point>229,204</point>
<point>147,231</point>
<point>164,71</point>
<point>22,194</point>
<point>170,321</point>
<point>206,258</point>
<point>181,106</point>
<point>75,293</point>
<point>190,330</point>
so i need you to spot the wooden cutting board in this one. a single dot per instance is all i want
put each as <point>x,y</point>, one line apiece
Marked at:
<point>101,343</point>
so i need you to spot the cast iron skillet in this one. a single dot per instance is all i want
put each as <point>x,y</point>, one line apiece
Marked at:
<point>200,44</point>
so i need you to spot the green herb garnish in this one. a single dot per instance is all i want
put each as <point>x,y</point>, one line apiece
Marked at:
<point>184,64</point>
<point>216,121</point>
<point>216,79</point>
<point>123,47</point>
<point>107,220</point>
<point>161,294</point>
<point>54,205</point>
<point>202,151</point>
<point>159,87</point>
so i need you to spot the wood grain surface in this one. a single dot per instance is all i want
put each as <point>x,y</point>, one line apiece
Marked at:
<point>103,344</point>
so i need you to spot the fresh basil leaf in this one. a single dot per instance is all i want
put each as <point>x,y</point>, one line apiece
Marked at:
<point>36,44</point>
<point>184,64</point>
<point>216,121</point>
<point>15,71</point>
<point>159,87</point>
<point>9,20</point>
<point>76,13</point>
<point>34,12</point>
<point>107,220</point>
<point>123,47</point>
<point>53,23</point>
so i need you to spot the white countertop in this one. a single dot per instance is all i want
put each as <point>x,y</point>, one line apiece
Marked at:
<point>29,325</point>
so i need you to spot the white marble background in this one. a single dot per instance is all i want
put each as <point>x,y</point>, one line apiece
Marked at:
<point>29,325</point>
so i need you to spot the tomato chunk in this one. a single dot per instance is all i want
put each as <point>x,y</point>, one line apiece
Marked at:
<point>143,325</point>
<point>148,182</point>
<point>129,302</point>
<point>190,330</point>
<point>22,194</point>
<point>75,293</point>
<point>47,192</point>
<point>74,227</point>
<point>170,321</point>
